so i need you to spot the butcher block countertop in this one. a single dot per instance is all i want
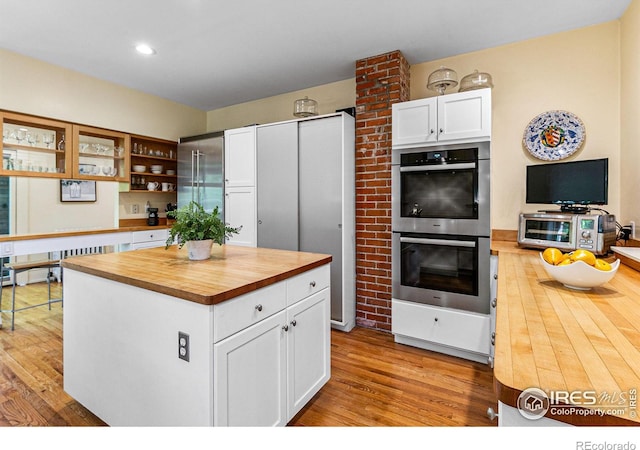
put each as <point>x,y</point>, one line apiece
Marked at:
<point>559,339</point>
<point>231,270</point>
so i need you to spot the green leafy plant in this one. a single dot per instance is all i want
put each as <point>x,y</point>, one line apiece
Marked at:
<point>193,223</point>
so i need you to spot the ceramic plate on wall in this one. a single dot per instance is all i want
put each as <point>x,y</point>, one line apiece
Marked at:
<point>554,135</point>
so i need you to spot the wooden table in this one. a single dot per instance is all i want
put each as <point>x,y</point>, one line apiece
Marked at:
<point>563,340</point>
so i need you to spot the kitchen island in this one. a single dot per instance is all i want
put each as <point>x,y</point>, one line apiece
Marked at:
<point>581,348</point>
<point>154,339</point>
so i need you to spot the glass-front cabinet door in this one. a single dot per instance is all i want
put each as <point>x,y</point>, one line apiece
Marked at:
<point>34,146</point>
<point>100,154</point>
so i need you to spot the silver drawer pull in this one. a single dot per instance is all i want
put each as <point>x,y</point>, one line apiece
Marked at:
<point>494,302</point>
<point>294,323</point>
<point>258,307</point>
<point>312,284</point>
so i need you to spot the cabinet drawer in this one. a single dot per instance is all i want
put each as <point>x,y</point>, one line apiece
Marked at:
<point>307,283</point>
<point>454,328</point>
<point>160,234</point>
<point>238,313</point>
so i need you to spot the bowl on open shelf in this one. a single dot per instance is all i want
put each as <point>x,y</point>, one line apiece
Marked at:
<point>156,168</point>
<point>171,172</point>
<point>139,168</point>
<point>579,274</point>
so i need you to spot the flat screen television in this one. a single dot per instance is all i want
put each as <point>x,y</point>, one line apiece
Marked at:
<point>572,185</point>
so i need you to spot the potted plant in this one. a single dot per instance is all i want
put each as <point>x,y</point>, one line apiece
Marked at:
<point>198,229</point>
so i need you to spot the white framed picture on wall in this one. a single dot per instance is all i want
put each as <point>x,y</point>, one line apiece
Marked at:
<point>77,191</point>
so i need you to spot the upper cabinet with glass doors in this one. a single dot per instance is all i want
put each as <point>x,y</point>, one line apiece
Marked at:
<point>33,146</point>
<point>40,147</point>
<point>100,154</point>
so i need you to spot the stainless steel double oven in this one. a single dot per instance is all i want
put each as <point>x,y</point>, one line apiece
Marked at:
<point>441,226</point>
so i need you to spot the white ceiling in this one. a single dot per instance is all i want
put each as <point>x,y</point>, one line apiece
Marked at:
<point>214,53</point>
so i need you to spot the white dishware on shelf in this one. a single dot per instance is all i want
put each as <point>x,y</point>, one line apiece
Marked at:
<point>139,168</point>
<point>152,186</point>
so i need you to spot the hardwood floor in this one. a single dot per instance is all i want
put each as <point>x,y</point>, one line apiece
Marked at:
<point>374,381</point>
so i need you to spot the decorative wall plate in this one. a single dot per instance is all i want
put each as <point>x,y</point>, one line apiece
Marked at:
<point>554,135</point>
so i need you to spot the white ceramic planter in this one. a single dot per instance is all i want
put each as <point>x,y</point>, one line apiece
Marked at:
<point>199,250</point>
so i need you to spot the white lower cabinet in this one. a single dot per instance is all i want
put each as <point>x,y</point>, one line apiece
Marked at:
<point>250,378</point>
<point>149,238</point>
<point>264,374</point>
<point>240,211</point>
<point>455,332</point>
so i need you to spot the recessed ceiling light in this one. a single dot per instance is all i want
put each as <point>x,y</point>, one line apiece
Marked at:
<point>145,49</point>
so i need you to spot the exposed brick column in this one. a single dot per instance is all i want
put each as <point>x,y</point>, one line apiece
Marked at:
<point>380,81</point>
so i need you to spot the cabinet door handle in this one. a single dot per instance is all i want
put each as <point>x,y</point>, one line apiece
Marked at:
<point>294,323</point>
<point>432,130</point>
<point>494,302</point>
<point>285,327</point>
<point>258,307</point>
<point>441,130</point>
<point>312,284</point>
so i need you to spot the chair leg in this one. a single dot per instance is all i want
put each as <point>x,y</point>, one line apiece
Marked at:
<point>13,301</point>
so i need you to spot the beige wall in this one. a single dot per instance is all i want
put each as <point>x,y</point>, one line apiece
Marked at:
<point>630,116</point>
<point>34,87</point>
<point>330,97</point>
<point>577,71</point>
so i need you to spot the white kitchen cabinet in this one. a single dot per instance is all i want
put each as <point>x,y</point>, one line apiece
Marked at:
<point>455,332</point>
<point>265,373</point>
<point>240,182</point>
<point>493,261</point>
<point>452,118</point>
<point>149,238</point>
<point>308,350</point>
<point>240,157</point>
<point>250,377</point>
<point>240,210</point>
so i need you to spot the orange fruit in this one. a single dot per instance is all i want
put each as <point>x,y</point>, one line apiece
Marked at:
<point>601,264</point>
<point>583,255</point>
<point>552,255</point>
<point>565,262</point>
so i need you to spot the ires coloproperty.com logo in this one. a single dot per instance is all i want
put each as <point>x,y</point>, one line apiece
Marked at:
<point>534,403</point>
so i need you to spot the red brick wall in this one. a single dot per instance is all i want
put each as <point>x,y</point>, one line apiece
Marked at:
<point>380,81</point>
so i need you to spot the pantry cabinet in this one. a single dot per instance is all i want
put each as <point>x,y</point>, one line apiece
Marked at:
<point>240,184</point>
<point>265,373</point>
<point>306,197</point>
<point>453,118</point>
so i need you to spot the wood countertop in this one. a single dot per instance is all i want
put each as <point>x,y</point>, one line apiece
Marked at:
<point>231,270</point>
<point>58,234</point>
<point>559,339</point>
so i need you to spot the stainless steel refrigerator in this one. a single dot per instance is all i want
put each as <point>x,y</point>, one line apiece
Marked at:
<point>201,171</point>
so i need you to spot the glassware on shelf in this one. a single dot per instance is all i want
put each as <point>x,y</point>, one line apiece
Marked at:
<point>47,139</point>
<point>61,143</point>
<point>21,135</point>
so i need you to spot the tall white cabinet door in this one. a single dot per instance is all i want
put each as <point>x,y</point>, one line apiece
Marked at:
<point>277,183</point>
<point>464,115</point>
<point>308,349</point>
<point>249,376</point>
<point>240,210</point>
<point>414,122</point>
<point>321,197</point>
<point>240,157</point>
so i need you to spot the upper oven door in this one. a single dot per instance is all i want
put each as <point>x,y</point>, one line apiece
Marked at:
<point>448,198</point>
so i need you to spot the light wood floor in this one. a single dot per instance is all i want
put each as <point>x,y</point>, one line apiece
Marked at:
<point>374,381</point>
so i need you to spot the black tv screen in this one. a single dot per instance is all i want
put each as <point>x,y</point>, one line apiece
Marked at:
<point>569,183</point>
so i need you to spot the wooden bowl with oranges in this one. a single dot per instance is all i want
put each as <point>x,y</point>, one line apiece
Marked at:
<point>579,269</point>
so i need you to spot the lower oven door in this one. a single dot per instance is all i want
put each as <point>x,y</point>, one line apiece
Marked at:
<point>441,270</point>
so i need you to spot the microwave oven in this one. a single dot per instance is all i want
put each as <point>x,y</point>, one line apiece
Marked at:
<point>594,232</point>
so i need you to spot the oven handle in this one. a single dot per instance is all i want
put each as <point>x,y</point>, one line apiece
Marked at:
<point>437,167</point>
<point>448,242</point>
